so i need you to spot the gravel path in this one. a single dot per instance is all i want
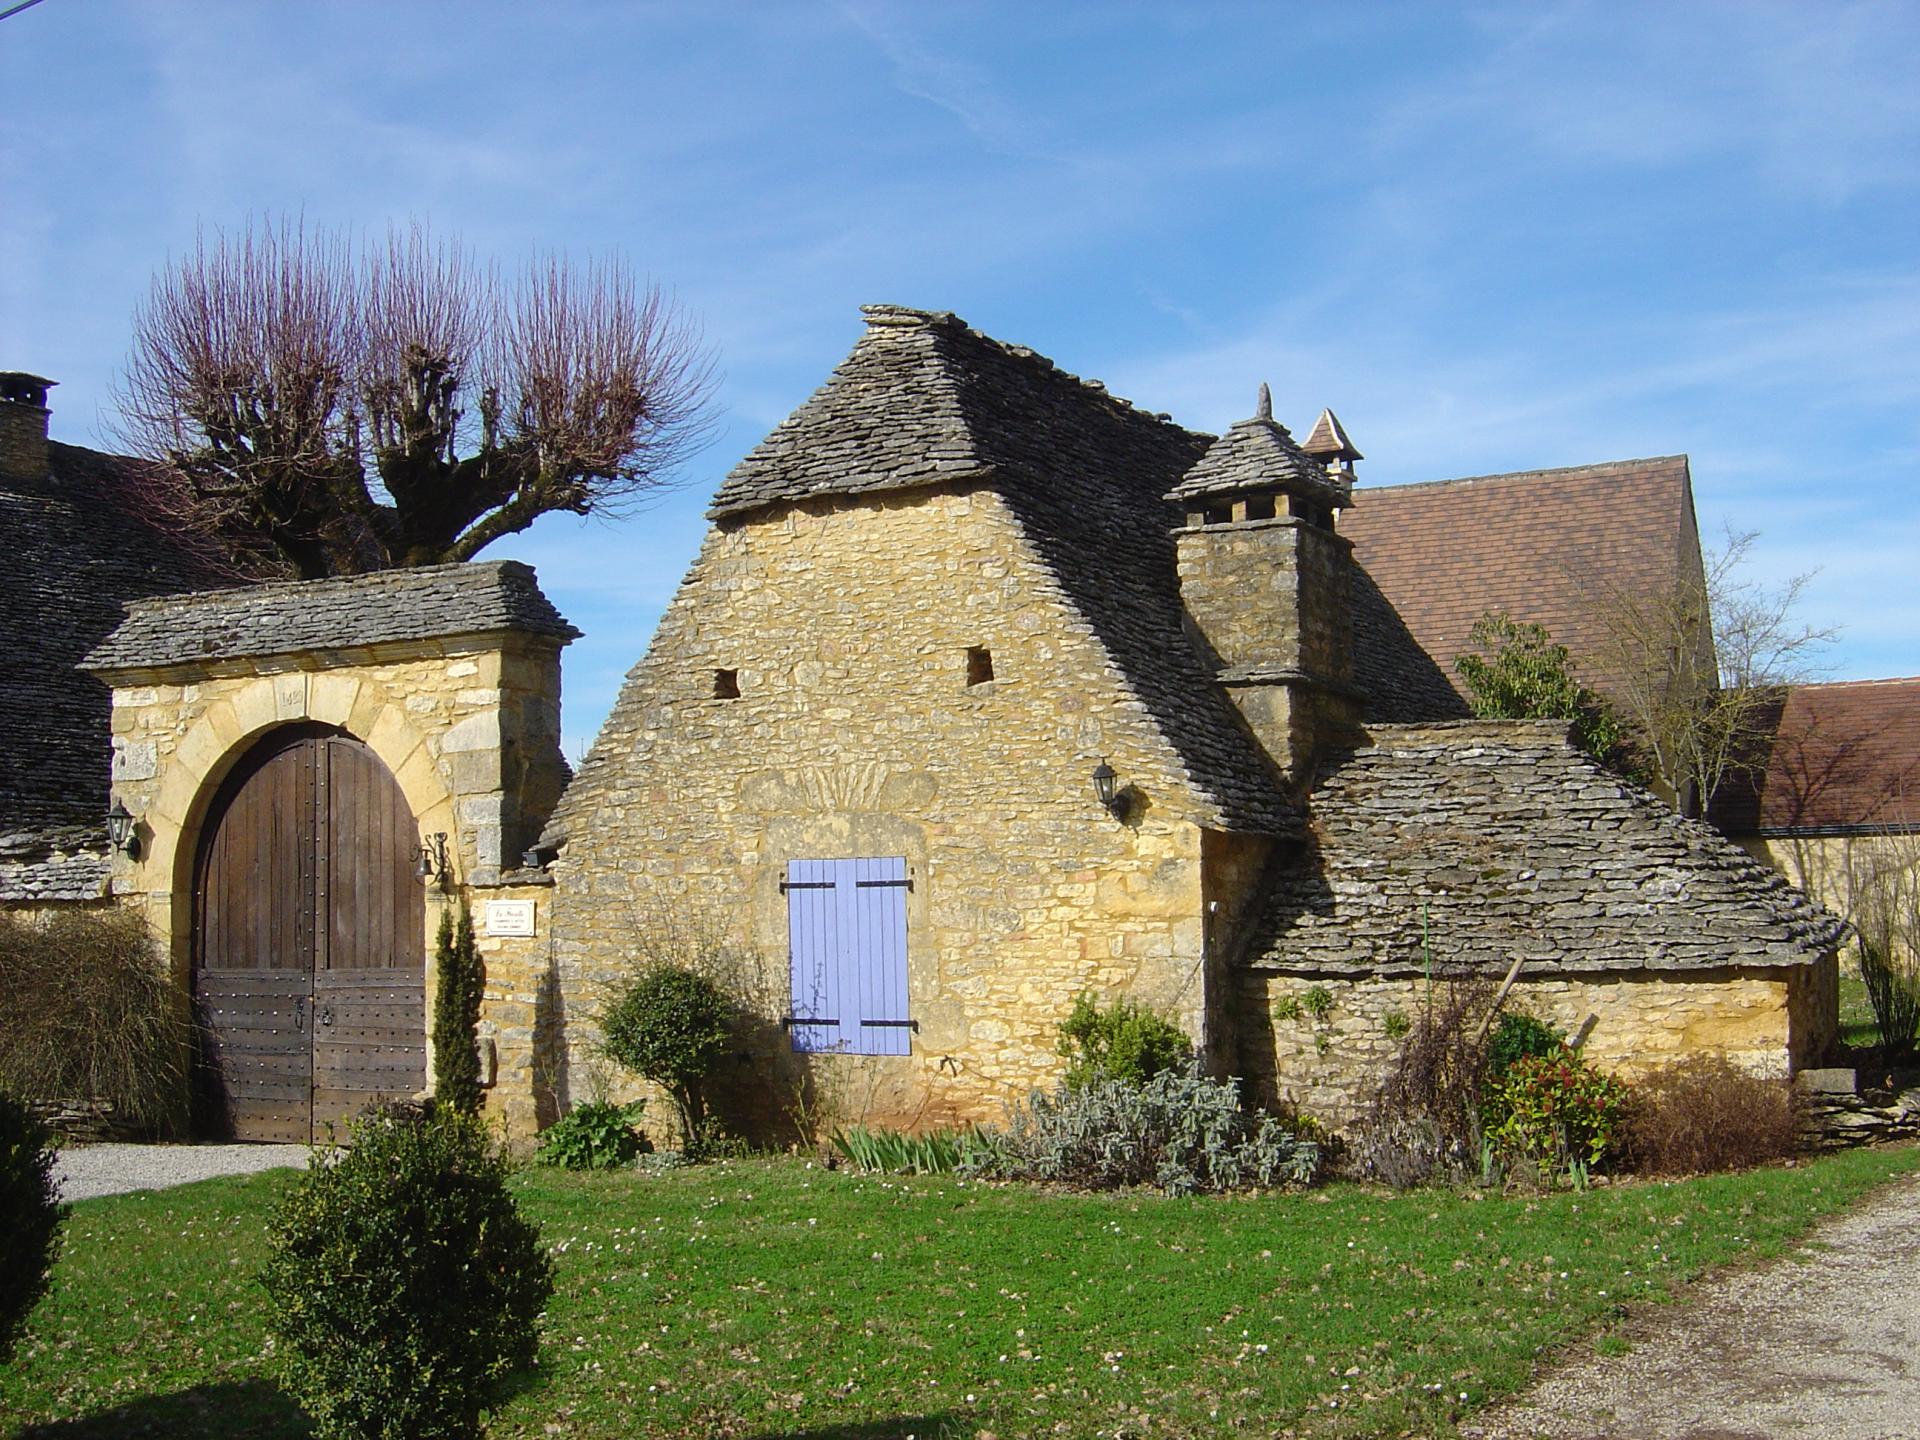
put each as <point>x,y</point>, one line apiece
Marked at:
<point>1824,1343</point>
<point>85,1171</point>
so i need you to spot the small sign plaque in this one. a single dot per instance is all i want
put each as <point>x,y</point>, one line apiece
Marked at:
<point>510,917</point>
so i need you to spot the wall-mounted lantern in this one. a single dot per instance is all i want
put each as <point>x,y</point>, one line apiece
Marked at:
<point>1106,785</point>
<point>433,867</point>
<point>121,829</point>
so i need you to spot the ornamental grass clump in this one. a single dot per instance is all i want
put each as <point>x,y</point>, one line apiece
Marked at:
<point>1181,1131</point>
<point>30,1218</point>
<point>404,1284</point>
<point>91,1017</point>
<point>1705,1114</point>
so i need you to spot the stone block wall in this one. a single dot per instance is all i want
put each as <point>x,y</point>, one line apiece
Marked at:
<point>469,729</point>
<point>846,631</point>
<point>1328,1057</point>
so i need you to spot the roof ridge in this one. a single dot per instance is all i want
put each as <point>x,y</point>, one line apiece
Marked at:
<point>1871,680</point>
<point>1599,467</point>
<point>393,575</point>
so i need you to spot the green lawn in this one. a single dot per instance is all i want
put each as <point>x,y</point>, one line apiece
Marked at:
<point>1857,1029</point>
<point>764,1297</point>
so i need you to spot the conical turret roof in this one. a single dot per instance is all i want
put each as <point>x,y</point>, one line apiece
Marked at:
<point>1259,455</point>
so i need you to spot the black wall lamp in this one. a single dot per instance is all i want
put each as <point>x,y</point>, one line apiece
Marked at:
<point>433,868</point>
<point>121,829</point>
<point>1107,786</point>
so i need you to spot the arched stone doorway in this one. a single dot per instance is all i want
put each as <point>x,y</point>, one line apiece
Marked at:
<point>309,973</point>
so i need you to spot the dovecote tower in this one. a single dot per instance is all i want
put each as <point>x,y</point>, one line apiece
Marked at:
<point>1265,581</point>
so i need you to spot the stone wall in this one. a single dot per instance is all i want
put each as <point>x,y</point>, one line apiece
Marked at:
<point>1328,1055</point>
<point>846,630</point>
<point>1270,598</point>
<point>469,727</point>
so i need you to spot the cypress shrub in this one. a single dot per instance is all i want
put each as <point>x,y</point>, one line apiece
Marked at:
<point>459,978</point>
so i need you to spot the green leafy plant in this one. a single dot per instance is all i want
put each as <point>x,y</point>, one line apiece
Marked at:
<point>1515,1034</point>
<point>1520,673</point>
<point>669,1024</point>
<point>1395,1025</point>
<point>1557,1110</point>
<point>1893,989</point>
<point>893,1152</point>
<point>1317,1001</point>
<point>1180,1131</point>
<point>30,1218</point>
<point>404,1283</point>
<point>91,1016</point>
<point>459,978</point>
<point>1124,1042</point>
<point>598,1135</point>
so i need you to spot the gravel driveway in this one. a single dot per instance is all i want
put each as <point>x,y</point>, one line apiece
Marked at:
<point>85,1171</point>
<point>1825,1342</point>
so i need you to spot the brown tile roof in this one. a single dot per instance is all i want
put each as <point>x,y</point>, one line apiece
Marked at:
<point>1536,544</point>
<point>1841,757</point>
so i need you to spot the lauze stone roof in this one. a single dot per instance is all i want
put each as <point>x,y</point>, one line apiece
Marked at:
<point>352,612</point>
<point>76,550</point>
<point>924,400</point>
<point>1468,844</point>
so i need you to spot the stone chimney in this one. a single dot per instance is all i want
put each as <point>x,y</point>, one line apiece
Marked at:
<point>1266,585</point>
<point>23,425</point>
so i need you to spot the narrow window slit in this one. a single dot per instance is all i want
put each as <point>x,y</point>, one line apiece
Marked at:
<point>979,665</point>
<point>726,684</point>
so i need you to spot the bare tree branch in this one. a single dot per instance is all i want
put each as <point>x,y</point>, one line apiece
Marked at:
<point>1699,666</point>
<point>323,411</point>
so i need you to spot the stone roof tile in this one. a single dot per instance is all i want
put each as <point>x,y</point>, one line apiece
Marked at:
<point>1471,843</point>
<point>1258,454</point>
<point>924,400</point>
<point>78,550</point>
<point>348,612</point>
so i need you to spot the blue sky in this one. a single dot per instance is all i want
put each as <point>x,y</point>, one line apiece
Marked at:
<point>1492,237</point>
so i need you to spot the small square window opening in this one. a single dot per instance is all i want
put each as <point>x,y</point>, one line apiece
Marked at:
<point>979,665</point>
<point>726,684</point>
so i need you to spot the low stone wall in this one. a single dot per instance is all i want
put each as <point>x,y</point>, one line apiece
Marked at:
<point>1323,1044</point>
<point>1846,1107</point>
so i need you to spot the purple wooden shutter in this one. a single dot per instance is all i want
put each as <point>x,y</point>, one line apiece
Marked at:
<point>847,949</point>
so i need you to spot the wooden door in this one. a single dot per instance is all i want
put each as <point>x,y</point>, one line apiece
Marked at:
<point>309,976</point>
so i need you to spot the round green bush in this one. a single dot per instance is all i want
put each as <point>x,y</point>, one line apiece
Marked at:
<point>404,1282</point>
<point>1125,1042</point>
<point>30,1217</point>
<point>670,1025</point>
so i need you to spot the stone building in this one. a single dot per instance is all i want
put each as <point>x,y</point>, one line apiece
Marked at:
<point>1834,804</point>
<point>77,549</point>
<point>956,591</point>
<point>986,689</point>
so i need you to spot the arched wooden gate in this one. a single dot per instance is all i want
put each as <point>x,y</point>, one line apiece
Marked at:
<point>309,976</point>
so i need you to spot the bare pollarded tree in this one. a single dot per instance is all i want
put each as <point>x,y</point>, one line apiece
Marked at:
<point>324,408</point>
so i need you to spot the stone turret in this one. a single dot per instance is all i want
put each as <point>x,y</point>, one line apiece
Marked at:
<point>1265,581</point>
<point>23,425</point>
